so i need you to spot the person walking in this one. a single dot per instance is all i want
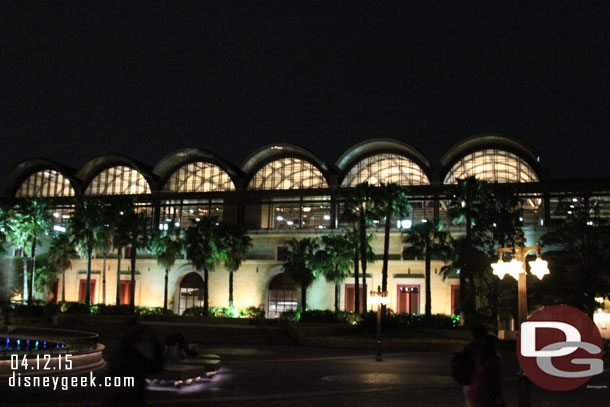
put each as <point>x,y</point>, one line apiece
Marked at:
<point>485,388</point>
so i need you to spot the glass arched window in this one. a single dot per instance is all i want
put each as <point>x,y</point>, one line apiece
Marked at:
<point>45,183</point>
<point>199,177</point>
<point>386,168</point>
<point>191,292</point>
<point>119,180</point>
<point>282,296</point>
<point>492,166</point>
<point>288,173</point>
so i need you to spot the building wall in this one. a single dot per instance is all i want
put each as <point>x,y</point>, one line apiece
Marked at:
<point>252,280</point>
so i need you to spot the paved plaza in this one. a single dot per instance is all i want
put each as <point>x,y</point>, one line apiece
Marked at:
<point>306,376</point>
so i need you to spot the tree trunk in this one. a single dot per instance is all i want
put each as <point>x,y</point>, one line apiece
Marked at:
<point>118,276</point>
<point>464,299</point>
<point>337,295</point>
<point>428,289</point>
<point>132,289</point>
<point>33,267</point>
<point>386,249</point>
<point>88,288</point>
<point>104,278</point>
<point>165,291</point>
<point>63,284</point>
<point>206,300</point>
<point>386,254</point>
<point>230,288</point>
<point>303,298</point>
<point>356,281</point>
<point>26,282</point>
<point>363,247</point>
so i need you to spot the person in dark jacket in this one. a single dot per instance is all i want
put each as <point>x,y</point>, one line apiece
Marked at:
<point>486,383</point>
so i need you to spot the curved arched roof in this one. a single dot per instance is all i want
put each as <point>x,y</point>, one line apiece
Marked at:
<point>284,166</point>
<point>177,159</point>
<point>382,145</point>
<point>96,166</point>
<point>26,168</point>
<point>412,165</point>
<point>272,151</point>
<point>497,157</point>
<point>196,170</point>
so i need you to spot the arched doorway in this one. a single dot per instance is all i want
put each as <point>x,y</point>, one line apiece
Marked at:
<point>282,296</point>
<point>191,292</point>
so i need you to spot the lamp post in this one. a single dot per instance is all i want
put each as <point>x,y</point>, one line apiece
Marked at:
<point>516,268</point>
<point>380,298</point>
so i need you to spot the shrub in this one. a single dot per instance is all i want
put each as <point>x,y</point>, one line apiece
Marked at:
<point>195,312</point>
<point>290,316</point>
<point>253,312</point>
<point>74,307</point>
<point>23,310</point>
<point>401,322</point>
<point>220,312</point>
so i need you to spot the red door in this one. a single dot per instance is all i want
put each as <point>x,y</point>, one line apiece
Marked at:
<point>125,291</point>
<point>350,298</point>
<point>455,298</point>
<point>408,299</point>
<point>82,290</point>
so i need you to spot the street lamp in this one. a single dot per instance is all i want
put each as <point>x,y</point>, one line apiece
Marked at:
<point>517,269</point>
<point>380,298</point>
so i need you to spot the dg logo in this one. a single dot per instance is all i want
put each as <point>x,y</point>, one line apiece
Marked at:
<point>560,348</point>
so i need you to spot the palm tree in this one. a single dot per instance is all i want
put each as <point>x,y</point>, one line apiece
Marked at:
<point>32,220</point>
<point>60,251</point>
<point>298,265</point>
<point>167,247</point>
<point>235,246</point>
<point>354,238</point>
<point>390,201</point>
<point>359,209</point>
<point>85,227</point>
<point>203,249</point>
<point>19,237</point>
<point>334,260</point>
<point>119,227</point>
<point>469,204</point>
<point>137,236</point>
<point>105,242</point>
<point>426,240</point>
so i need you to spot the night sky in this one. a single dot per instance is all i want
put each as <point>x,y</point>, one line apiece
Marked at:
<point>231,77</point>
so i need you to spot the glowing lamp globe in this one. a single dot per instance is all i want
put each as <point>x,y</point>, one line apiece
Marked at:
<point>539,268</point>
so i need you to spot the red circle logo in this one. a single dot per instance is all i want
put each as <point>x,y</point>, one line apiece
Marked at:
<point>560,348</point>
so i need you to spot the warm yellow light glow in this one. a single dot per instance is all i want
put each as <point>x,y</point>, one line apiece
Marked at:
<point>379,298</point>
<point>500,269</point>
<point>599,300</point>
<point>539,268</point>
<point>514,268</point>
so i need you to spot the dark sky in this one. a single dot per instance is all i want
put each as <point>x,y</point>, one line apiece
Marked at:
<point>231,77</point>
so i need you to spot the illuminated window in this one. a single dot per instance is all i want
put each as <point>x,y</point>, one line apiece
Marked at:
<point>492,166</point>
<point>288,173</point>
<point>118,180</point>
<point>45,183</point>
<point>386,168</point>
<point>199,177</point>
<point>282,296</point>
<point>191,292</point>
<point>182,213</point>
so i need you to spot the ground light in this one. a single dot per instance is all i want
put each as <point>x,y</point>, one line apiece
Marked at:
<point>380,298</point>
<point>517,269</point>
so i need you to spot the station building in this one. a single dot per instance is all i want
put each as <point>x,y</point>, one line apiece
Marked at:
<point>284,191</point>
